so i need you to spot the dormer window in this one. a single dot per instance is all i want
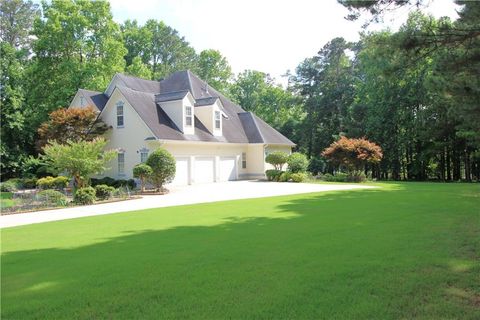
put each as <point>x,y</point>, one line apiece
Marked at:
<point>217,120</point>
<point>120,119</point>
<point>188,116</point>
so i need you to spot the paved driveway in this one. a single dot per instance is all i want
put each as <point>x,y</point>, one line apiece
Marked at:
<point>200,193</point>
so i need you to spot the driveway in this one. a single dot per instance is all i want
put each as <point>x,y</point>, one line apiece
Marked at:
<point>199,193</point>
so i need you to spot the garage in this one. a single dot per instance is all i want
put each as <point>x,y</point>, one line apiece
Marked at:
<point>227,169</point>
<point>182,171</point>
<point>204,169</point>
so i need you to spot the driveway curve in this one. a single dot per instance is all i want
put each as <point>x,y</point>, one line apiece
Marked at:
<point>200,193</point>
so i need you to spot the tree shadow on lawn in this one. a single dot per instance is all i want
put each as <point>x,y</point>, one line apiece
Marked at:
<point>324,255</point>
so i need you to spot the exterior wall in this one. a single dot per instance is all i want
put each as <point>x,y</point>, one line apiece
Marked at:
<point>130,138</point>
<point>255,161</point>
<point>79,101</point>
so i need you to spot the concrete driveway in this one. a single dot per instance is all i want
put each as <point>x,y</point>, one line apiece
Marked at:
<point>200,193</point>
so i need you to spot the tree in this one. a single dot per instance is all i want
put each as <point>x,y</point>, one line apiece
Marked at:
<point>297,162</point>
<point>16,21</point>
<point>214,69</point>
<point>78,46</point>
<point>354,154</point>
<point>72,124</point>
<point>79,160</point>
<point>142,171</point>
<point>163,165</point>
<point>277,159</point>
<point>139,69</point>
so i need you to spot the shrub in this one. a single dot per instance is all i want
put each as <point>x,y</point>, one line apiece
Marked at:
<point>61,182</point>
<point>46,183</point>
<point>52,197</point>
<point>29,183</point>
<point>113,183</point>
<point>328,177</point>
<point>142,171</point>
<point>277,159</point>
<point>356,176</point>
<point>273,174</point>
<point>104,192</point>
<point>84,195</point>
<point>130,183</point>
<point>163,166</point>
<point>297,162</point>
<point>8,186</point>
<point>298,177</point>
<point>284,177</point>
<point>105,180</point>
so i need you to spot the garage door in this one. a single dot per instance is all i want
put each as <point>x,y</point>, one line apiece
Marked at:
<point>204,169</point>
<point>228,169</point>
<point>181,173</point>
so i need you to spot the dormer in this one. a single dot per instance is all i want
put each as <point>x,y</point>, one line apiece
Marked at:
<point>210,112</point>
<point>87,98</point>
<point>179,106</point>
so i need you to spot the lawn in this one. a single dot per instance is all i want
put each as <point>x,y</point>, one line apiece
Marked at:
<point>405,250</point>
<point>6,199</point>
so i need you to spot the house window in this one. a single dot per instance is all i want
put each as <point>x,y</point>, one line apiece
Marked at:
<point>217,119</point>
<point>188,116</point>
<point>120,121</point>
<point>143,155</point>
<point>121,163</point>
<point>244,160</point>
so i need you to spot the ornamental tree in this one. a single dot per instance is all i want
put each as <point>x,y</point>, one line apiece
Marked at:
<point>163,167</point>
<point>74,124</point>
<point>297,162</point>
<point>354,154</point>
<point>142,171</point>
<point>79,160</point>
<point>277,159</point>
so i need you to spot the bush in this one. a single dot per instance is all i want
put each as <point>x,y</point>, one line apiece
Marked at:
<point>84,195</point>
<point>297,162</point>
<point>61,182</point>
<point>52,197</point>
<point>113,183</point>
<point>273,174</point>
<point>8,186</point>
<point>104,192</point>
<point>357,176</point>
<point>338,177</point>
<point>46,183</point>
<point>142,171</point>
<point>298,177</point>
<point>284,177</point>
<point>163,165</point>
<point>29,183</point>
<point>277,159</point>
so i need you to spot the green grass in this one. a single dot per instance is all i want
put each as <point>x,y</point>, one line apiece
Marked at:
<point>407,250</point>
<point>6,199</point>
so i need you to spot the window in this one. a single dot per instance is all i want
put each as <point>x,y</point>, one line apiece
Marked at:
<point>244,160</point>
<point>121,163</point>
<point>188,116</point>
<point>120,121</point>
<point>143,155</point>
<point>217,119</point>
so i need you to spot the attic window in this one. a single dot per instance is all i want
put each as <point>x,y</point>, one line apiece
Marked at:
<point>188,116</point>
<point>120,121</point>
<point>217,119</point>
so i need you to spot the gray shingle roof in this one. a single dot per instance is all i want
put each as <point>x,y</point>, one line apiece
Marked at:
<point>94,98</point>
<point>239,126</point>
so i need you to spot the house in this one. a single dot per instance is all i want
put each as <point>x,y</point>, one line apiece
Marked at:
<point>211,138</point>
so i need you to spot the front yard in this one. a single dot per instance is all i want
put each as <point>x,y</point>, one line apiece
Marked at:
<point>407,250</point>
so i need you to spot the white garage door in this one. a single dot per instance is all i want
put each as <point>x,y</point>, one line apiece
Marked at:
<point>228,169</point>
<point>204,169</point>
<point>181,173</point>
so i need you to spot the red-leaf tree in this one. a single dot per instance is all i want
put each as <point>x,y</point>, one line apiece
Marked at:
<point>73,124</point>
<point>354,154</point>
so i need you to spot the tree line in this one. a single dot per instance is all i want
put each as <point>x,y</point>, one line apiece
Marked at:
<point>412,94</point>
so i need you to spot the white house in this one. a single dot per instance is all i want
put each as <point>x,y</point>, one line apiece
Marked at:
<point>211,138</point>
